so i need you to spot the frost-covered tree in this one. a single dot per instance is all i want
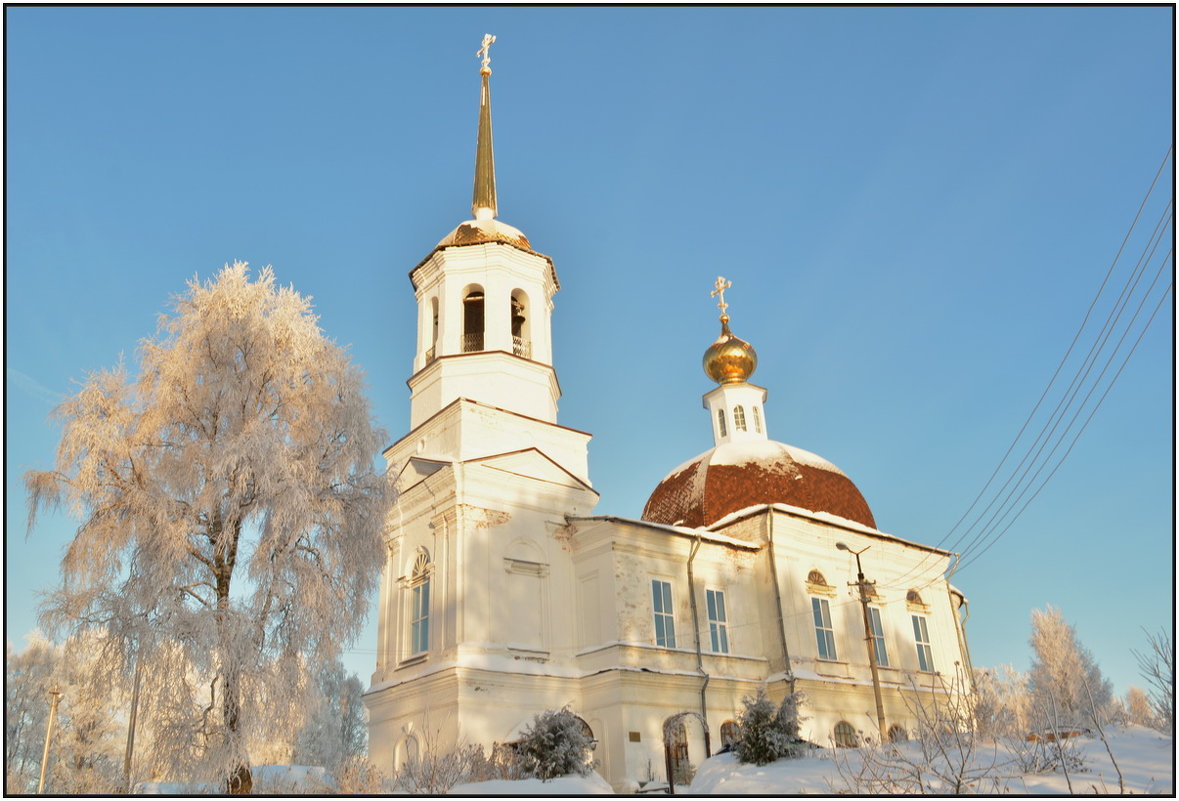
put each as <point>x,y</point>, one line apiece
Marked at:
<point>230,516</point>
<point>1138,708</point>
<point>28,677</point>
<point>336,728</point>
<point>1065,684</point>
<point>767,732</point>
<point>86,752</point>
<point>1001,703</point>
<point>556,743</point>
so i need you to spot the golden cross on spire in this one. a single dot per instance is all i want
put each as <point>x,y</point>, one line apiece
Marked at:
<point>719,293</point>
<point>484,52</point>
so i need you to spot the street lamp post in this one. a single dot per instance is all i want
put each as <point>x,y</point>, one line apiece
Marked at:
<point>863,586</point>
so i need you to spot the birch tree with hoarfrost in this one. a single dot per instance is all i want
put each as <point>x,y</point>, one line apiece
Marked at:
<point>230,518</point>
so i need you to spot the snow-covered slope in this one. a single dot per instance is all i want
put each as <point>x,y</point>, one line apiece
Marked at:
<point>1144,757</point>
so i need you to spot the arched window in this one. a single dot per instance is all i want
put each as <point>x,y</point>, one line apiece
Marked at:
<point>913,597</point>
<point>419,604</point>
<point>897,733</point>
<point>720,420</point>
<point>521,327</point>
<point>845,735</point>
<point>756,418</point>
<point>739,418</point>
<point>473,319</point>
<point>815,577</point>
<point>728,733</point>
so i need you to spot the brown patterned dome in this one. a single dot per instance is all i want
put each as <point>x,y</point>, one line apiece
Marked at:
<point>737,475</point>
<point>477,232</point>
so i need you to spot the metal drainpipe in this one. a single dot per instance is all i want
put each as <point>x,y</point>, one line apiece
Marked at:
<point>778,598</point>
<point>964,645</point>
<point>960,623</point>
<point>699,658</point>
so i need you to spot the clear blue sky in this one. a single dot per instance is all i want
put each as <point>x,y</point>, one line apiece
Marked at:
<point>915,207</point>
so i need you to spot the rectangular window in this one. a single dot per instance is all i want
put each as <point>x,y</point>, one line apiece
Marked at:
<point>664,615</point>
<point>419,619</point>
<point>921,638</point>
<point>718,623</point>
<point>878,636</point>
<point>824,634</point>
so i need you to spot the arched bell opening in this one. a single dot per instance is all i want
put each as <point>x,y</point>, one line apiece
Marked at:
<point>432,351</point>
<point>473,319</point>
<point>521,324</point>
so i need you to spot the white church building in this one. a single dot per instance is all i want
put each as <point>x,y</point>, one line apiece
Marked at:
<point>504,595</point>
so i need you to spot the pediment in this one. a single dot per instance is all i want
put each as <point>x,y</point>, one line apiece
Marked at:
<point>534,464</point>
<point>417,470</point>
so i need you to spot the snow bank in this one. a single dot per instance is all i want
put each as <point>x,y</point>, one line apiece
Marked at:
<point>724,775</point>
<point>1144,757</point>
<point>592,784</point>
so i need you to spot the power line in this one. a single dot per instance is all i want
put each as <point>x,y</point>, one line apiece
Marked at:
<point>1068,352</point>
<point>1063,408</point>
<point>1019,475</point>
<point>1159,305</point>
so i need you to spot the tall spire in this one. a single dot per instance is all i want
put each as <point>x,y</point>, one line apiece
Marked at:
<point>483,204</point>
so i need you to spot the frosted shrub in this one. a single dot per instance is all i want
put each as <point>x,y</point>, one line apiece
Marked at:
<point>766,733</point>
<point>436,771</point>
<point>555,744</point>
<point>359,776</point>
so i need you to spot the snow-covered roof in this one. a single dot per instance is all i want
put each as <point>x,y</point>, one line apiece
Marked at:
<point>736,475</point>
<point>683,531</point>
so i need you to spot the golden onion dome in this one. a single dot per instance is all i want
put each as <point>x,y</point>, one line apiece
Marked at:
<point>729,360</point>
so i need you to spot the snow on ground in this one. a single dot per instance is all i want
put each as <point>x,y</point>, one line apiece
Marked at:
<point>1145,758</point>
<point>268,780</point>
<point>592,784</point>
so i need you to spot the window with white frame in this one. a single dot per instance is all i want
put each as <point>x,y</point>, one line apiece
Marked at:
<point>720,421</point>
<point>756,419</point>
<point>824,633</point>
<point>878,636</point>
<point>739,418</point>
<point>921,639</point>
<point>718,622</point>
<point>663,613</point>
<point>419,605</point>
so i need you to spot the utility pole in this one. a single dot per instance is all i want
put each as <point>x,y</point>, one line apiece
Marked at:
<point>864,587</point>
<point>54,700</point>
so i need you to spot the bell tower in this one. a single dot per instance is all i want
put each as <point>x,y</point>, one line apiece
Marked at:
<point>477,560</point>
<point>484,303</point>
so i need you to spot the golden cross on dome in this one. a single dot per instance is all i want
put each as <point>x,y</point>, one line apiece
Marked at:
<point>719,293</point>
<point>485,51</point>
